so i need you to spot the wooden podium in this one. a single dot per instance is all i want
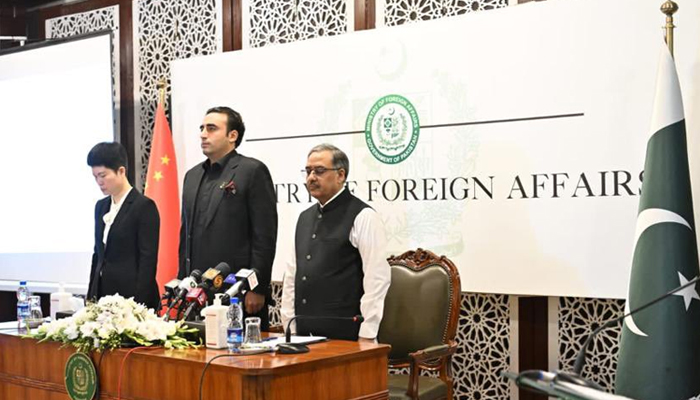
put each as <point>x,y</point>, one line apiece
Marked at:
<point>331,370</point>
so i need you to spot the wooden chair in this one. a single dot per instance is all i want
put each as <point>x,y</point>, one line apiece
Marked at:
<point>421,313</point>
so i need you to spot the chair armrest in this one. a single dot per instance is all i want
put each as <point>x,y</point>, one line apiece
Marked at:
<point>434,352</point>
<point>419,357</point>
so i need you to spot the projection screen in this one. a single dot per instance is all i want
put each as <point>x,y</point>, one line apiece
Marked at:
<point>56,103</point>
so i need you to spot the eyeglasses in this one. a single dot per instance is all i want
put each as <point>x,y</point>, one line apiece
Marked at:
<point>318,171</point>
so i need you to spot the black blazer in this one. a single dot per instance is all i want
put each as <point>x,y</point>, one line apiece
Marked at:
<point>128,264</point>
<point>240,225</point>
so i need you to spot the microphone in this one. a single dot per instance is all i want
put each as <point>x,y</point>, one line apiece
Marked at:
<point>185,285</point>
<point>170,289</point>
<point>229,281</point>
<point>575,377</point>
<point>196,298</point>
<point>247,279</point>
<point>296,348</point>
<point>213,278</point>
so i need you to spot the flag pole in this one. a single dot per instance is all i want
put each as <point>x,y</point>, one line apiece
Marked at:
<point>162,188</point>
<point>669,8</point>
<point>161,90</point>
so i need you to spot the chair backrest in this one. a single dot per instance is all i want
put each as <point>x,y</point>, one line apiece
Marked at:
<point>422,306</point>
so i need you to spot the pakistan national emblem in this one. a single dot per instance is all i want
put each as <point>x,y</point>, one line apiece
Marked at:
<point>391,129</point>
<point>81,377</point>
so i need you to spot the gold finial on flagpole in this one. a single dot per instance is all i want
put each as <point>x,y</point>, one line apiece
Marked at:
<point>669,8</point>
<point>161,90</point>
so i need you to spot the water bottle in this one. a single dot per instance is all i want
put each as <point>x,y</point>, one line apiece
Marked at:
<point>234,333</point>
<point>22,304</point>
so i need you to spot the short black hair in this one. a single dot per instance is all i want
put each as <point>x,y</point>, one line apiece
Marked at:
<point>234,122</point>
<point>340,159</point>
<point>110,155</point>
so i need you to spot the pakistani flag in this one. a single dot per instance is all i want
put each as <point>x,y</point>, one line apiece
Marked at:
<point>660,346</point>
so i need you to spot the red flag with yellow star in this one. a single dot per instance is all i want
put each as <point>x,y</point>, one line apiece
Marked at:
<point>162,187</point>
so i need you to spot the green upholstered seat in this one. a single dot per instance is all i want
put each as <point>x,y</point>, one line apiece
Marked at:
<point>420,323</point>
<point>428,388</point>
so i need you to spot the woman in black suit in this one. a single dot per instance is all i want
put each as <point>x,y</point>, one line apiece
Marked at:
<point>126,232</point>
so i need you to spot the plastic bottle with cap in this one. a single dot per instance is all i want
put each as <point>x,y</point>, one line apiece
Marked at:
<point>22,304</point>
<point>235,325</point>
<point>60,301</point>
<point>216,323</point>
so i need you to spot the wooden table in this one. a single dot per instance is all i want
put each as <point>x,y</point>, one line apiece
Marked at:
<point>331,370</point>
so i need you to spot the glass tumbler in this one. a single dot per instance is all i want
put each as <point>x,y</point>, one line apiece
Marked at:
<point>252,330</point>
<point>36,317</point>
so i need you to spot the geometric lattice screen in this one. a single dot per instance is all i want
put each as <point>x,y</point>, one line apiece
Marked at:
<point>578,318</point>
<point>399,12</point>
<point>483,339</point>
<point>284,21</point>
<point>166,30</point>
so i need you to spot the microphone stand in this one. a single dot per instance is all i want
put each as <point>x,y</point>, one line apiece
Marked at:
<point>298,348</point>
<point>554,384</point>
<point>581,358</point>
<point>191,312</point>
<point>289,347</point>
<point>543,382</point>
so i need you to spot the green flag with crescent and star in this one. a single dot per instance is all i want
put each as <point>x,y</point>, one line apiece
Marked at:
<point>660,347</point>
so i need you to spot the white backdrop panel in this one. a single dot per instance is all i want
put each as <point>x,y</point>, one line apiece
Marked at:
<point>556,210</point>
<point>56,103</point>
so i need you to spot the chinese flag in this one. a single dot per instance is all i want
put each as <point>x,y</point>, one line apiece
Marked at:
<point>162,187</point>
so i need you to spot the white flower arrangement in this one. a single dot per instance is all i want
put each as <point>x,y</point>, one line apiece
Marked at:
<point>114,322</point>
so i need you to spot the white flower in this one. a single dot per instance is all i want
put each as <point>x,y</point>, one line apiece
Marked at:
<point>80,316</point>
<point>53,328</point>
<point>131,324</point>
<point>109,322</point>
<point>171,328</point>
<point>71,332</point>
<point>150,331</point>
<point>139,308</point>
<point>43,328</point>
<point>88,328</point>
<point>105,332</point>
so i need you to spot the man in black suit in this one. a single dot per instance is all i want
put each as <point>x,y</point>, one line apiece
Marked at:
<point>229,209</point>
<point>126,232</point>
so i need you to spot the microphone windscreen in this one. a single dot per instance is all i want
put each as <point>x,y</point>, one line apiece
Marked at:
<point>243,273</point>
<point>224,268</point>
<point>173,283</point>
<point>196,274</point>
<point>188,283</point>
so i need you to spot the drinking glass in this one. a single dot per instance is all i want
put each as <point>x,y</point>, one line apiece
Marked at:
<point>252,330</point>
<point>35,308</point>
<point>36,317</point>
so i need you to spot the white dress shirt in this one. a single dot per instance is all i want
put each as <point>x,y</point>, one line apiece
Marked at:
<point>111,215</point>
<point>368,236</point>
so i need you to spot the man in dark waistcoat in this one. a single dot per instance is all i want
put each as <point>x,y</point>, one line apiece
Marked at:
<point>229,209</point>
<point>340,267</point>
